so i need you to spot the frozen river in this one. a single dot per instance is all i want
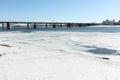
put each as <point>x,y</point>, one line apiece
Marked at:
<point>86,53</point>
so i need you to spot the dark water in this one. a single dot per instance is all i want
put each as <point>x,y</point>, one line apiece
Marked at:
<point>99,50</point>
<point>104,29</point>
<point>103,51</point>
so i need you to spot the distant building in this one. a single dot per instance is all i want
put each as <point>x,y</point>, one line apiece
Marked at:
<point>117,23</point>
<point>109,22</point>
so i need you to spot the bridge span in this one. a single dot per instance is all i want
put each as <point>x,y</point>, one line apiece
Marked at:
<point>8,25</point>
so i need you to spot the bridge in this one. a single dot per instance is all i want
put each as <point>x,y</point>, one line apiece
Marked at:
<point>8,25</point>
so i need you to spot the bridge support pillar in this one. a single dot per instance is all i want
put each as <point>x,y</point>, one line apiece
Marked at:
<point>35,25</point>
<point>79,25</point>
<point>60,25</point>
<point>8,25</point>
<point>3,25</point>
<point>68,25</point>
<point>28,25</point>
<point>54,26</point>
<point>46,25</point>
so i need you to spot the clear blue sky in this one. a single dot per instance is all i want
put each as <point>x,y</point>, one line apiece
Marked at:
<point>59,10</point>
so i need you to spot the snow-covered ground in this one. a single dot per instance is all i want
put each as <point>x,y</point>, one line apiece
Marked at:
<point>60,54</point>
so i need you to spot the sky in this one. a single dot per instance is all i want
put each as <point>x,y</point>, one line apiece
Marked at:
<point>59,10</point>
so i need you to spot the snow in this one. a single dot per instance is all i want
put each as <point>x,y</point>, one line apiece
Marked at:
<point>51,54</point>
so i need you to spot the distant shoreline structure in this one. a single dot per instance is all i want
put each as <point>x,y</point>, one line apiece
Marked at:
<point>111,22</point>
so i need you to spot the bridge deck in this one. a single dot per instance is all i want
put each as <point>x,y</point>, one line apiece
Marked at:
<point>8,24</point>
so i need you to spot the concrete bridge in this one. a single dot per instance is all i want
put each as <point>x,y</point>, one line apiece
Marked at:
<point>8,25</point>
